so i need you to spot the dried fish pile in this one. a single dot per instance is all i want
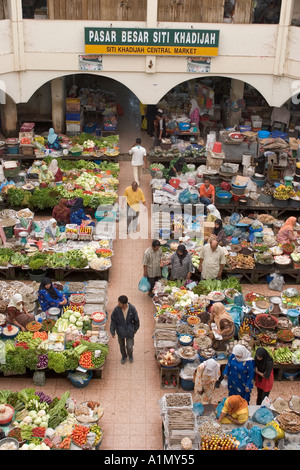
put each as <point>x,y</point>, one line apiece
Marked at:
<point>209,428</point>
<point>180,420</point>
<point>178,400</point>
<point>289,421</point>
<point>203,342</point>
<point>183,329</point>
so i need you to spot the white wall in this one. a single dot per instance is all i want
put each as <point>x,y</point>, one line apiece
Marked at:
<point>51,49</point>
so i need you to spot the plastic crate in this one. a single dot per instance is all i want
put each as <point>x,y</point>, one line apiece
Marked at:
<point>12,150</point>
<point>73,127</point>
<point>107,127</point>
<point>73,116</point>
<point>11,172</point>
<point>89,128</point>
<point>184,126</point>
<point>107,214</point>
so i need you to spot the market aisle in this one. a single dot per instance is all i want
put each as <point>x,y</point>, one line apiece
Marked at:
<point>130,391</point>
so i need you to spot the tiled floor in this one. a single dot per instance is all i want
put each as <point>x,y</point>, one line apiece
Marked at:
<point>130,392</point>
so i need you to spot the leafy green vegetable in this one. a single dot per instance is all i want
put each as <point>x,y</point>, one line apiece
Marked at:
<point>15,197</point>
<point>56,362</point>
<point>204,287</point>
<point>37,261</point>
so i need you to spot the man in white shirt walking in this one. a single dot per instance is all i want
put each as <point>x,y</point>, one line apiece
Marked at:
<point>139,155</point>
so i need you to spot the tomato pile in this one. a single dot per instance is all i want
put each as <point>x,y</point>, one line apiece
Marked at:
<point>79,434</point>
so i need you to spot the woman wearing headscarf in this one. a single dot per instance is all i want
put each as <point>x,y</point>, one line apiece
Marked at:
<point>49,296</point>
<point>55,170</point>
<point>240,372</point>
<point>45,176</point>
<point>175,169</point>
<point>264,375</point>
<point>234,411</point>
<point>77,214</point>
<point>219,232</point>
<point>181,264</point>
<point>212,213</point>
<point>224,324</point>
<point>52,233</point>
<point>286,233</point>
<point>205,377</point>
<point>53,140</point>
<point>61,212</point>
<point>17,313</point>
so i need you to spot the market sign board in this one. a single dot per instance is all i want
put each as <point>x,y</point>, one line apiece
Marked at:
<point>164,42</point>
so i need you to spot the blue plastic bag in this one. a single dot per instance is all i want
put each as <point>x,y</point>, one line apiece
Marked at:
<point>263,415</point>
<point>234,218</point>
<point>144,284</point>
<point>198,409</point>
<point>194,199</point>
<point>255,436</point>
<point>220,407</point>
<point>184,197</point>
<point>241,434</point>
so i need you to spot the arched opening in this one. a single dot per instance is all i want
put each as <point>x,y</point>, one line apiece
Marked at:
<point>232,103</point>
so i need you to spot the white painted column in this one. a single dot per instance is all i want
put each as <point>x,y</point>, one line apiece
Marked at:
<point>9,118</point>
<point>286,14</point>
<point>58,95</point>
<point>151,23</point>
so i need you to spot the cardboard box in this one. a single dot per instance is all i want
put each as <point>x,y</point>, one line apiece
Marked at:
<point>208,228</point>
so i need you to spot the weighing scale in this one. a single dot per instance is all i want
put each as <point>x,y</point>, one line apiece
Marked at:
<point>23,237</point>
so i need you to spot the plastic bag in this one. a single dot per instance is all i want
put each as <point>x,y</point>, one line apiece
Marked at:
<point>277,282</point>
<point>255,436</point>
<point>224,383</point>
<point>241,434</point>
<point>198,409</point>
<point>165,272</point>
<point>229,229</point>
<point>194,199</point>
<point>263,415</point>
<point>280,431</point>
<point>234,218</point>
<point>184,197</point>
<point>144,284</point>
<point>220,407</point>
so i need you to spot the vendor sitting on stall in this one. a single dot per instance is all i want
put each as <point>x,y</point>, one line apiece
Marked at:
<point>45,176</point>
<point>286,233</point>
<point>53,140</point>
<point>53,234</point>
<point>224,325</point>
<point>56,171</point>
<point>212,213</point>
<point>235,411</point>
<point>78,216</point>
<point>207,193</point>
<point>175,169</point>
<point>61,212</point>
<point>49,296</point>
<point>17,314</point>
<point>220,233</point>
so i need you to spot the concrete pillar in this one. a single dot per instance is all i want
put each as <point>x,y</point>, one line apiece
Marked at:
<point>9,118</point>
<point>58,95</point>
<point>236,93</point>
<point>150,62</point>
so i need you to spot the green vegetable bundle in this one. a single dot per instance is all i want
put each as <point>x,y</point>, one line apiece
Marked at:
<point>206,286</point>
